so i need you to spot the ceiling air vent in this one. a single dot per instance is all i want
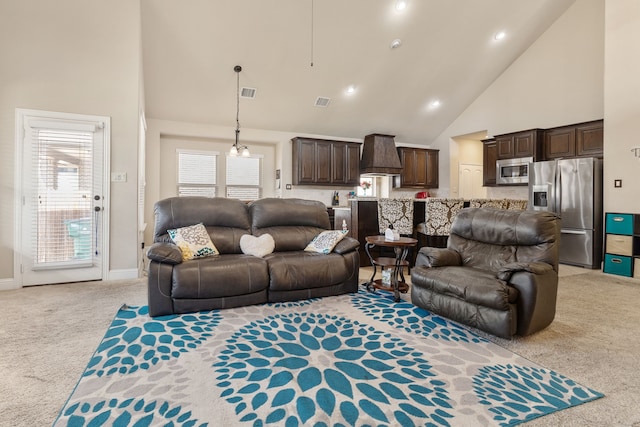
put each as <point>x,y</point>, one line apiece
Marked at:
<point>248,92</point>
<point>322,102</point>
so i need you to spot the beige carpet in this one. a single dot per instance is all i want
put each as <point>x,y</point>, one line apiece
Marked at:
<point>48,334</point>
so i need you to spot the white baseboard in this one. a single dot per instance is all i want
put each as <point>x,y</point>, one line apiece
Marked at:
<point>130,273</point>
<point>8,284</point>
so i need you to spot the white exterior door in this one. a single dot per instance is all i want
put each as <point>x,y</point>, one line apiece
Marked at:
<point>62,191</point>
<point>470,182</point>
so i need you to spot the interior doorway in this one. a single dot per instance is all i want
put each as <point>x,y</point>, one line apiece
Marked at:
<point>470,181</point>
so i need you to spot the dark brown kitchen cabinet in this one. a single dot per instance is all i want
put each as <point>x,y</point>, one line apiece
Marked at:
<point>432,169</point>
<point>419,168</point>
<point>579,140</point>
<point>590,139</point>
<point>352,164</point>
<point>559,142</point>
<point>489,157</point>
<point>520,144</point>
<point>325,162</point>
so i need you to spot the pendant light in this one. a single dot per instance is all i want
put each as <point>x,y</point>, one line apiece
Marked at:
<point>236,147</point>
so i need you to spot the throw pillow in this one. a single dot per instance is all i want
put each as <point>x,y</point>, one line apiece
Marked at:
<point>193,241</point>
<point>325,242</point>
<point>257,246</point>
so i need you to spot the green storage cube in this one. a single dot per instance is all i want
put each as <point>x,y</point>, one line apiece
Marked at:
<point>619,224</point>
<point>617,264</point>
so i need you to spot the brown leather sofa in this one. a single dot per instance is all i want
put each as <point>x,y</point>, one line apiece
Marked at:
<point>499,272</point>
<point>233,278</point>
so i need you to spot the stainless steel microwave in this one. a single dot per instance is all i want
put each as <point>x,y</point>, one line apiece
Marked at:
<point>513,171</point>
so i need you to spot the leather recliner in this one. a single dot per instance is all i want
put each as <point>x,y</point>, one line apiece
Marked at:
<point>498,273</point>
<point>232,278</point>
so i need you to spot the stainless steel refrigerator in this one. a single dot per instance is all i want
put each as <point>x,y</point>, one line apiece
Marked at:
<point>572,188</point>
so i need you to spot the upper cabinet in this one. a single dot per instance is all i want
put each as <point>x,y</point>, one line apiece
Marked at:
<point>577,140</point>
<point>419,168</point>
<point>520,144</point>
<point>489,156</point>
<point>580,140</point>
<point>325,162</point>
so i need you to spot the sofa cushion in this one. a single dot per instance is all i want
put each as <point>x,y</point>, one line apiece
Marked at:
<point>193,241</point>
<point>325,242</point>
<point>303,270</point>
<point>226,220</point>
<point>219,276</point>
<point>292,223</point>
<point>473,285</point>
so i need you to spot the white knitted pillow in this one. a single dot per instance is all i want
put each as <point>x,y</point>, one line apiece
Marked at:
<point>257,246</point>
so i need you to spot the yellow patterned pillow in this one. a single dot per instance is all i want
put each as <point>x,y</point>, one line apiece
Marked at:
<point>325,241</point>
<point>193,241</point>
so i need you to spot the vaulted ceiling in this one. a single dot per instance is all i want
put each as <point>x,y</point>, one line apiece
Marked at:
<point>294,51</point>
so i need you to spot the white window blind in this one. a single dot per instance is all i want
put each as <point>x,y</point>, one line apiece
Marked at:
<point>243,177</point>
<point>64,223</point>
<point>197,171</point>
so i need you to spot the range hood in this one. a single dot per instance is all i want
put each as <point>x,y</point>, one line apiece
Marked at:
<point>379,156</point>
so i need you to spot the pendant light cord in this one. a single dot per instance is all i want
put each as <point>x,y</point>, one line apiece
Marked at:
<point>311,33</point>
<point>237,69</point>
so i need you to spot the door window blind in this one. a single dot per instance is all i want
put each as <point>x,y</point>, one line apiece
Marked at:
<point>197,173</point>
<point>63,184</point>
<point>243,177</point>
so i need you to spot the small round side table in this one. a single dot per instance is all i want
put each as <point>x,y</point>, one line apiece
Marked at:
<point>401,249</point>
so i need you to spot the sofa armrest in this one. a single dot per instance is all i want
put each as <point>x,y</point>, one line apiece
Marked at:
<point>438,257</point>
<point>345,245</point>
<point>164,252</point>
<point>537,295</point>
<point>508,270</point>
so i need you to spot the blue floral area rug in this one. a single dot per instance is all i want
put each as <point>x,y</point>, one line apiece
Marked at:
<point>351,360</point>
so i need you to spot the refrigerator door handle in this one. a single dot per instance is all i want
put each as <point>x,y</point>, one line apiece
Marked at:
<point>563,231</point>
<point>558,189</point>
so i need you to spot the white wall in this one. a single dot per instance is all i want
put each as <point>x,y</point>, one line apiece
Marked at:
<point>79,57</point>
<point>557,81</point>
<point>621,105</point>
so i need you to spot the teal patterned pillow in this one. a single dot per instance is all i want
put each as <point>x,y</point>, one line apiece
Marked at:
<point>325,241</point>
<point>193,241</point>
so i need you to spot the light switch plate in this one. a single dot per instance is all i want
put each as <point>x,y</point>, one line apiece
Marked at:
<point>118,177</point>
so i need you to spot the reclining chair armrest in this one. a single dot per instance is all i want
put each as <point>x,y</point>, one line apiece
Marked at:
<point>508,270</point>
<point>166,253</point>
<point>345,245</point>
<point>437,257</point>
<point>537,295</point>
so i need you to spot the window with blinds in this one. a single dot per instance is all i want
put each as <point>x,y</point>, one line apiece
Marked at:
<point>243,177</point>
<point>197,173</point>
<point>63,188</point>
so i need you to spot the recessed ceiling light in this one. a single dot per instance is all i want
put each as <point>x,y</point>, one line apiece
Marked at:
<point>500,35</point>
<point>401,5</point>
<point>351,89</point>
<point>396,43</point>
<point>435,104</point>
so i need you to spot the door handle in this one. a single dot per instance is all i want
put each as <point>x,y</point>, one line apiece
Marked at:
<point>572,232</point>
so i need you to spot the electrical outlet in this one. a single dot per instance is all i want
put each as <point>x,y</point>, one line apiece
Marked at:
<point>118,177</point>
